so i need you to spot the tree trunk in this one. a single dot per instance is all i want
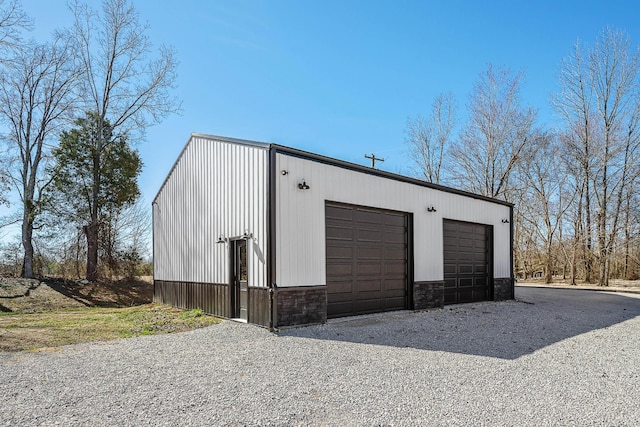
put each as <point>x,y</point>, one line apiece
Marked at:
<point>549,267</point>
<point>587,236</point>
<point>91,231</point>
<point>27,244</point>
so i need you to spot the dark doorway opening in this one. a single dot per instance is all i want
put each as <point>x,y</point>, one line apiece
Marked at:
<point>239,280</point>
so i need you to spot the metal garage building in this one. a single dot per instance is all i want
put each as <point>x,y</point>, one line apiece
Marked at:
<point>279,237</point>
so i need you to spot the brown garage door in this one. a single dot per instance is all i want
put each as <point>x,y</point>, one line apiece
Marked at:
<point>366,260</point>
<point>467,260</point>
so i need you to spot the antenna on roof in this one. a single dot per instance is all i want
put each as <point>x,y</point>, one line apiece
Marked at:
<point>373,159</point>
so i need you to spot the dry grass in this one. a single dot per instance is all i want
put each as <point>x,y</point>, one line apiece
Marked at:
<point>34,331</point>
<point>39,315</point>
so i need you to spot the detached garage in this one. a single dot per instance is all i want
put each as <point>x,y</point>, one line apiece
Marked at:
<point>279,237</point>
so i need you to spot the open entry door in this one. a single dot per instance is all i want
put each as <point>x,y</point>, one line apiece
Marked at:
<point>239,282</point>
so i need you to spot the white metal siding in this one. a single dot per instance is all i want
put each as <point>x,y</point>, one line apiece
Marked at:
<point>216,187</point>
<point>300,228</point>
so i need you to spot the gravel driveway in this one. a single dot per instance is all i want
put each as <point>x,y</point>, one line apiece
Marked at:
<point>555,357</point>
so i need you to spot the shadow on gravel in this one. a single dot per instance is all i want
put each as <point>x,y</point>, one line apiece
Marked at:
<point>538,318</point>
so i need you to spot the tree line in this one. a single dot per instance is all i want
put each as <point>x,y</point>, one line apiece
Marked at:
<point>577,212</point>
<point>72,109</point>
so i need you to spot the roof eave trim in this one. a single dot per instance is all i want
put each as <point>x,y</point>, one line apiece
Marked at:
<point>383,174</point>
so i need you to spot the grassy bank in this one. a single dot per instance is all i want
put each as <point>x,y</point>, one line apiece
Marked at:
<point>34,331</point>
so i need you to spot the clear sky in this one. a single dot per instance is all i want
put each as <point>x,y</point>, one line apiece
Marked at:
<point>340,78</point>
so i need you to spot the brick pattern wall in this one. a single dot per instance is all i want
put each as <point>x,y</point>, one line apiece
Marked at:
<point>300,306</point>
<point>503,289</point>
<point>428,295</point>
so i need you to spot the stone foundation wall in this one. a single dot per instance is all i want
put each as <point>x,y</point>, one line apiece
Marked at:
<point>300,306</point>
<point>428,295</point>
<point>503,289</point>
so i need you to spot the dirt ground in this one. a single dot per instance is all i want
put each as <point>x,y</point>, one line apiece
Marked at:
<point>31,296</point>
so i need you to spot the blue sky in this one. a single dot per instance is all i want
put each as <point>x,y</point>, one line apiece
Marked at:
<point>340,78</point>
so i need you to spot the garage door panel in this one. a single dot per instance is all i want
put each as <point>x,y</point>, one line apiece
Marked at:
<point>377,259</point>
<point>368,285</point>
<point>395,268</point>
<point>391,286</point>
<point>339,270</point>
<point>479,257</point>
<point>339,309</point>
<point>465,282</point>
<point>398,220</point>
<point>368,306</point>
<point>338,212</point>
<point>395,253</point>
<point>465,228</point>
<point>465,269</point>
<point>451,255</point>
<point>394,237</point>
<point>362,215</point>
<point>465,243</point>
<point>339,252</point>
<point>480,282</point>
<point>340,286</point>
<point>339,233</point>
<point>450,269</point>
<point>369,269</point>
<point>466,256</point>
<point>465,295</point>
<point>369,235</point>
<point>369,253</point>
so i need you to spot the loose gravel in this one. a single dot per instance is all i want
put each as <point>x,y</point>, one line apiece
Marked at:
<point>553,357</point>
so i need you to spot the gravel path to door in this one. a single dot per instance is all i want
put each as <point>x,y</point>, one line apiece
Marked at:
<point>555,357</point>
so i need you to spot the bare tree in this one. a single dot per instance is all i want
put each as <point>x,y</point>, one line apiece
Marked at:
<point>36,97</point>
<point>127,238</point>
<point>495,136</point>
<point>601,106</point>
<point>546,199</point>
<point>574,103</point>
<point>122,85</point>
<point>428,138</point>
<point>12,21</point>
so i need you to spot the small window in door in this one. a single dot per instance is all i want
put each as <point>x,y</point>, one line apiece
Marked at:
<point>243,261</point>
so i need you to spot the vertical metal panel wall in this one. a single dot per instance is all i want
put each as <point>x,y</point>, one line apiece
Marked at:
<point>216,187</point>
<point>300,220</point>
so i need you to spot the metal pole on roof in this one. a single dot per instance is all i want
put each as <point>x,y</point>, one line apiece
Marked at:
<point>373,159</point>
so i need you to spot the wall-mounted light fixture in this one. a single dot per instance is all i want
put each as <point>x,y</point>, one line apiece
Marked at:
<point>221,239</point>
<point>284,172</point>
<point>246,235</point>
<point>505,220</point>
<point>431,208</point>
<point>303,185</point>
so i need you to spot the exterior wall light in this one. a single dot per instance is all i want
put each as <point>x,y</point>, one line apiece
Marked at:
<point>246,235</point>
<point>505,220</point>
<point>221,239</point>
<point>431,208</point>
<point>284,172</point>
<point>303,185</point>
